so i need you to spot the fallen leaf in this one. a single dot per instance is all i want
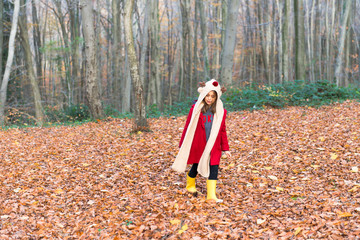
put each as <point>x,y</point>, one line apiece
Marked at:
<point>297,231</point>
<point>333,156</point>
<point>175,221</point>
<point>273,178</point>
<point>344,214</point>
<point>183,229</point>
<point>260,221</point>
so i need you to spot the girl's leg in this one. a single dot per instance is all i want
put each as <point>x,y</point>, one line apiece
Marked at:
<point>190,179</point>
<point>193,171</point>
<point>214,169</point>
<point>211,184</point>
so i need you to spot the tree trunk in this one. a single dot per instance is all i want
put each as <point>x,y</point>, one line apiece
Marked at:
<point>280,7</point>
<point>37,41</point>
<point>75,49</point>
<point>91,85</point>
<point>140,113</point>
<point>227,56</point>
<point>341,43</point>
<point>204,38</point>
<point>219,33</point>
<point>98,47</point>
<point>9,61</point>
<point>30,66</point>
<point>1,36</point>
<point>155,84</point>
<point>66,58</point>
<point>264,35</point>
<point>116,54</point>
<point>300,71</point>
<point>329,36</point>
<point>144,42</point>
<point>186,64</point>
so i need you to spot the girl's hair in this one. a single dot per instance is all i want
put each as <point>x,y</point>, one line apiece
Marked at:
<point>206,107</point>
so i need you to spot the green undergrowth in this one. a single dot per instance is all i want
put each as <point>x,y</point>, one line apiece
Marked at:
<point>252,97</point>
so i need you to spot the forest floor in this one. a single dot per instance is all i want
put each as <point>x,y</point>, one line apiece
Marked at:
<point>294,174</point>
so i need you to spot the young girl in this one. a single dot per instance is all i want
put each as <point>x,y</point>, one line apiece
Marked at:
<point>204,138</point>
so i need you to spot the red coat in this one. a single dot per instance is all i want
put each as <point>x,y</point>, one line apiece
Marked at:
<point>199,141</point>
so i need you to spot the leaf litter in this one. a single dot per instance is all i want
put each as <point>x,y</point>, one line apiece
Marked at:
<point>293,174</point>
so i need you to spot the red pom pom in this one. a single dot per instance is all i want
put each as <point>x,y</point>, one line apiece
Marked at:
<point>215,84</point>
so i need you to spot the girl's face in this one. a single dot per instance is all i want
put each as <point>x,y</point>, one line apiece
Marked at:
<point>210,98</point>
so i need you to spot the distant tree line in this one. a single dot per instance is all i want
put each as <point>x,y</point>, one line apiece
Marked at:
<point>129,54</point>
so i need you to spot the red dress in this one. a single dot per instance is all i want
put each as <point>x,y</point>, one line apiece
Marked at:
<point>199,140</point>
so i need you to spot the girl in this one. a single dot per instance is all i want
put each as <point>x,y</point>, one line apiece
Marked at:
<point>204,138</point>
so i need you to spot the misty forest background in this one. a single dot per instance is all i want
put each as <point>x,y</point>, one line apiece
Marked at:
<point>75,60</point>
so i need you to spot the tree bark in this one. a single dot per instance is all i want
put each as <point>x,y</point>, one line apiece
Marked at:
<point>186,63</point>
<point>66,56</point>
<point>154,81</point>
<point>37,41</point>
<point>341,43</point>
<point>227,56</point>
<point>91,85</point>
<point>116,54</point>
<point>5,80</point>
<point>140,122</point>
<point>204,38</point>
<point>300,71</point>
<point>75,49</point>
<point>29,65</point>
<point>1,36</point>
<point>263,20</point>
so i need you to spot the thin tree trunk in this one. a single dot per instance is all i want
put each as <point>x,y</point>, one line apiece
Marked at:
<point>204,38</point>
<point>66,58</point>
<point>300,71</point>
<point>92,89</point>
<point>155,53</point>
<point>186,64</point>
<point>227,56</point>
<point>272,44</point>
<point>37,41</point>
<point>341,43</point>
<point>347,52</point>
<point>140,113</point>
<point>329,40</point>
<point>75,48</point>
<point>9,61</point>
<point>263,36</point>
<point>30,66</point>
<point>1,36</point>
<point>219,33</point>
<point>280,46</point>
<point>144,42</point>
<point>116,54</point>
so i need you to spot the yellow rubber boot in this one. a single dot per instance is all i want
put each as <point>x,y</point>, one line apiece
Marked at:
<point>211,191</point>
<point>190,184</point>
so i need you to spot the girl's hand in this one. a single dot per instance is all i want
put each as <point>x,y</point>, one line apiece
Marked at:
<point>228,154</point>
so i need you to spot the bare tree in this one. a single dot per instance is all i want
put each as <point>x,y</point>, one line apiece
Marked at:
<point>341,43</point>
<point>75,48</point>
<point>154,94</point>
<point>186,76</point>
<point>204,38</point>
<point>9,61</point>
<point>300,72</point>
<point>92,89</point>
<point>29,65</point>
<point>140,113</point>
<point>227,56</point>
<point>36,40</point>
<point>1,35</point>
